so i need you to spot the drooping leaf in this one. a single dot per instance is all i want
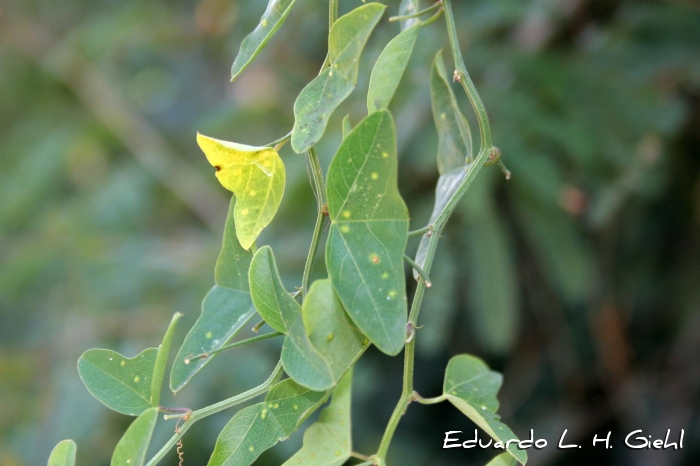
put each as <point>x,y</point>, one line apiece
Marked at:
<point>347,126</point>
<point>133,446</point>
<point>408,7</point>
<point>255,175</point>
<point>454,135</point>
<point>226,308</point>
<point>257,428</point>
<point>454,154</point>
<point>162,361</point>
<point>328,441</point>
<point>389,69</point>
<point>472,388</point>
<point>369,231</point>
<point>283,313</point>
<point>273,18</point>
<point>331,332</point>
<point>504,459</point>
<point>319,99</point>
<point>121,384</point>
<point>63,454</point>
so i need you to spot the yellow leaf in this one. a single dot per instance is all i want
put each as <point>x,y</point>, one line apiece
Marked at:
<point>255,175</point>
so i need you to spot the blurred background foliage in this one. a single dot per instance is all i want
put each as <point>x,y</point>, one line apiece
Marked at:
<point>578,279</point>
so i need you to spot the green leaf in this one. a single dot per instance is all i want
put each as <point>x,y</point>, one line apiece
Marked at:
<point>319,99</point>
<point>283,313</point>
<point>273,18</point>
<point>504,459</point>
<point>369,231</point>
<point>121,384</point>
<point>133,446</point>
<point>63,454</point>
<point>162,361</point>
<point>257,428</point>
<point>454,154</point>
<point>331,332</point>
<point>347,126</point>
<point>255,175</point>
<point>226,308</point>
<point>328,442</point>
<point>390,68</point>
<point>472,388</point>
<point>454,135</point>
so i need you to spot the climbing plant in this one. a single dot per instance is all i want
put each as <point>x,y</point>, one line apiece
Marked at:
<point>326,325</point>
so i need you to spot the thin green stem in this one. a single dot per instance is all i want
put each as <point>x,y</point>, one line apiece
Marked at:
<point>281,140</point>
<point>432,19</point>
<point>318,186</point>
<point>200,414</point>
<point>419,269</point>
<point>420,232</point>
<point>461,75</point>
<point>428,401</point>
<point>418,14</point>
<point>233,345</point>
<point>359,456</point>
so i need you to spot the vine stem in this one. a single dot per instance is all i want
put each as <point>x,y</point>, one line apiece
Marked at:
<point>318,186</point>
<point>200,414</point>
<point>472,170</point>
<point>233,345</point>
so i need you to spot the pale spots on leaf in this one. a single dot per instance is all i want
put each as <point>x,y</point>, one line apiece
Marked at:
<point>137,379</point>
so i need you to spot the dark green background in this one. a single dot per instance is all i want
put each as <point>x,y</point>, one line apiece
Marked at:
<point>579,279</point>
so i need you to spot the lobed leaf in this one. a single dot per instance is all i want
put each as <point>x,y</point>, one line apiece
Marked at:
<point>319,99</point>
<point>255,175</point>
<point>63,454</point>
<point>225,309</point>
<point>472,388</point>
<point>121,384</point>
<point>257,428</point>
<point>273,18</point>
<point>328,441</point>
<point>133,446</point>
<point>369,231</point>
<point>390,68</point>
<point>315,360</point>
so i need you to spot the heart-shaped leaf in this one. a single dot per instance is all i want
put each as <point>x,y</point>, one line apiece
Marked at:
<point>369,231</point>
<point>319,99</point>
<point>255,175</point>
<point>133,446</point>
<point>328,442</point>
<point>226,308</point>
<point>389,69</point>
<point>128,386</point>
<point>120,383</point>
<point>257,428</point>
<point>63,454</point>
<point>273,18</point>
<point>472,388</point>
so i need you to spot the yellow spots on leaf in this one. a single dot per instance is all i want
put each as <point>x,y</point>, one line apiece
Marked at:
<point>329,337</point>
<point>123,363</point>
<point>312,455</point>
<point>365,341</point>
<point>252,192</point>
<point>374,258</point>
<point>137,379</point>
<point>330,73</point>
<point>385,275</point>
<point>208,335</point>
<point>443,116</point>
<point>263,415</point>
<point>337,453</point>
<point>251,448</point>
<point>263,22</point>
<point>345,229</point>
<point>392,294</point>
<point>374,175</point>
<point>347,214</point>
<point>385,154</point>
<point>276,406</point>
<point>244,212</point>
<point>296,407</point>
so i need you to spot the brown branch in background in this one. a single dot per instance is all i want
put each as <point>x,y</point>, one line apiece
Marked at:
<point>100,98</point>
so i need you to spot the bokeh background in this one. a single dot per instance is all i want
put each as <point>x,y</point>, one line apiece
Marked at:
<point>579,279</point>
